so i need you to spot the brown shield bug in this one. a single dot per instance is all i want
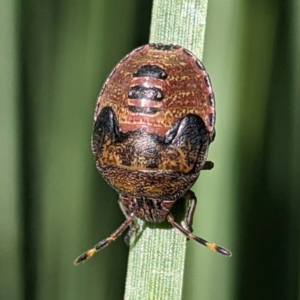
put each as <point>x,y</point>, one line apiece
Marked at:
<point>153,124</point>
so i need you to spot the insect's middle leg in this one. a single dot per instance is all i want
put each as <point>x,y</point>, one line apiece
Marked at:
<point>208,165</point>
<point>188,221</point>
<point>123,202</point>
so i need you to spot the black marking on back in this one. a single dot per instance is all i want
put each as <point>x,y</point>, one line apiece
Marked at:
<point>144,110</point>
<point>152,165</point>
<point>188,52</point>
<point>160,46</point>
<point>141,92</point>
<point>151,71</point>
<point>199,65</point>
<point>211,119</point>
<point>211,99</point>
<point>207,80</point>
<point>213,136</point>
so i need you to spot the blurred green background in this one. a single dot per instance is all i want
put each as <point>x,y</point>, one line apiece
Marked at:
<point>54,58</point>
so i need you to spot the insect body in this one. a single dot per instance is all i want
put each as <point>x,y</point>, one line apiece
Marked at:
<point>153,124</point>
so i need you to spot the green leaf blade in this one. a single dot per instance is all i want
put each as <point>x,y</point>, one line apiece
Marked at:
<point>156,259</point>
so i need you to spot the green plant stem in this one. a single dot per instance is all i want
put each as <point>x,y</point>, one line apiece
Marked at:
<point>11,286</point>
<point>156,258</point>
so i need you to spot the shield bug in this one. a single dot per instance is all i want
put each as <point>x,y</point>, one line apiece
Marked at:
<point>153,124</point>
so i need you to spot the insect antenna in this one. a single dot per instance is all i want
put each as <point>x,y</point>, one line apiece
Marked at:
<point>104,243</point>
<point>201,241</point>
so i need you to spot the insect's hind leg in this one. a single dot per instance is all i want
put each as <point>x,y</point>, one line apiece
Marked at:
<point>201,241</point>
<point>104,243</point>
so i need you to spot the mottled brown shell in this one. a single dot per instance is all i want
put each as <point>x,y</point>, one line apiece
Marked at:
<point>153,124</point>
<point>155,101</point>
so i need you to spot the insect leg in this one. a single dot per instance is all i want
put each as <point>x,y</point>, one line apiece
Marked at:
<point>208,165</point>
<point>191,197</point>
<point>191,236</point>
<point>104,243</point>
<point>133,226</point>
